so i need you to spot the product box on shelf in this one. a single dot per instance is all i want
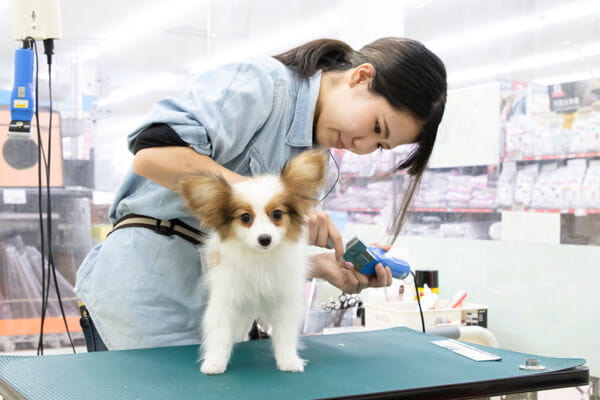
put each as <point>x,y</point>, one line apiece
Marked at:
<point>550,122</point>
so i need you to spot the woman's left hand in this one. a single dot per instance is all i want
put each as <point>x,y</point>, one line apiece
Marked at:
<point>343,275</point>
<point>322,232</point>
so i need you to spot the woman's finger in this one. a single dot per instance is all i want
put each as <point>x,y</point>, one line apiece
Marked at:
<point>322,235</point>
<point>384,247</point>
<point>315,226</point>
<point>388,271</point>
<point>335,238</point>
<point>381,276</point>
<point>363,281</point>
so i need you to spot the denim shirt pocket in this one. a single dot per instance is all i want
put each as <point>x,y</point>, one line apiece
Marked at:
<point>257,163</point>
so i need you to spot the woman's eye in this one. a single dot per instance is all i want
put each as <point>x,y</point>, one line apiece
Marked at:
<point>377,128</point>
<point>245,218</point>
<point>277,214</point>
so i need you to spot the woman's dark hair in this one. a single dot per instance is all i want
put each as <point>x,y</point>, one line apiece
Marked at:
<point>407,74</point>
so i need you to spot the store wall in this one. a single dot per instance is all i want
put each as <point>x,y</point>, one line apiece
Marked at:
<point>541,297</point>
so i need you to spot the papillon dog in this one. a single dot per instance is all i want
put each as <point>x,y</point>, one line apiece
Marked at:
<point>255,260</point>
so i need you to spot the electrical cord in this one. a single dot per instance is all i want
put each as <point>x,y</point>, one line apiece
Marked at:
<point>418,301</point>
<point>49,50</point>
<point>29,43</point>
<point>51,273</point>
<point>337,178</point>
<point>41,156</point>
<point>413,274</point>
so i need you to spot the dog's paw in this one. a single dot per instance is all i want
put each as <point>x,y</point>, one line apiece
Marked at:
<point>291,365</point>
<point>213,367</point>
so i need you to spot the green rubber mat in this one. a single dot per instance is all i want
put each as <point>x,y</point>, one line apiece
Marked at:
<point>339,365</point>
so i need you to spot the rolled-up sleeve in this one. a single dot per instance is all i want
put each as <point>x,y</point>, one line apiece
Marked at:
<point>221,112</point>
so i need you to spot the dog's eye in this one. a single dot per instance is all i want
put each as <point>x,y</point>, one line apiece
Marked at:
<point>245,217</point>
<point>277,214</point>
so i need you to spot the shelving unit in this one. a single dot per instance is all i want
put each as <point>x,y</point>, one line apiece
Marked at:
<point>20,273</point>
<point>20,266</point>
<point>454,210</point>
<point>20,256</point>
<point>475,184</point>
<point>555,157</point>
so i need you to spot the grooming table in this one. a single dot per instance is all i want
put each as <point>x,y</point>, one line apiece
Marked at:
<point>396,363</point>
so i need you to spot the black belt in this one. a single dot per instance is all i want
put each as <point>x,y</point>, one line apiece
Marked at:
<point>162,227</point>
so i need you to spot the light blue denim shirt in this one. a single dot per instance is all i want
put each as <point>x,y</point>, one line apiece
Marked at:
<point>141,288</point>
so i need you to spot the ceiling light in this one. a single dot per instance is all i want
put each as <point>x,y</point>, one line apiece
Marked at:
<point>536,61</point>
<point>273,42</point>
<point>489,32</point>
<point>135,27</point>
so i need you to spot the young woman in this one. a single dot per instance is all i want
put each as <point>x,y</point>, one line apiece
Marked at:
<point>141,284</point>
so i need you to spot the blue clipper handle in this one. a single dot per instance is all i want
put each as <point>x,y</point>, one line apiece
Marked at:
<point>400,268</point>
<point>365,258</point>
<point>22,105</point>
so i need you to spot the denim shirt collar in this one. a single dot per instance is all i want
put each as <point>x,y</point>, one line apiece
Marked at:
<point>301,130</point>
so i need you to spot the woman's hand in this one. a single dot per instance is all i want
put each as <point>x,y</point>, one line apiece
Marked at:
<point>343,275</point>
<point>322,232</point>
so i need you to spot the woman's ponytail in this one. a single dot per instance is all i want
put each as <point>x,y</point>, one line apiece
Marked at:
<point>322,54</point>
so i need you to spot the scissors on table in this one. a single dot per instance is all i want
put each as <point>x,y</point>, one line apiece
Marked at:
<point>346,301</point>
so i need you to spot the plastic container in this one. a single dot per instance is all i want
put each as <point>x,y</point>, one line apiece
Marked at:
<point>388,315</point>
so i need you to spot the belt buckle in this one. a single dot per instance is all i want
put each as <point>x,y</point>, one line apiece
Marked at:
<point>164,230</point>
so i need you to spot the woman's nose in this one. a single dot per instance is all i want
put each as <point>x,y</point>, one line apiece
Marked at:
<point>365,144</point>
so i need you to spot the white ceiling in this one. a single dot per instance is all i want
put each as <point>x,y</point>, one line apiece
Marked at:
<point>158,51</point>
<point>558,29</point>
<point>114,45</point>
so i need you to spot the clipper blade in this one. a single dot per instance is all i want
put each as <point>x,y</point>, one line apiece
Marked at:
<point>357,254</point>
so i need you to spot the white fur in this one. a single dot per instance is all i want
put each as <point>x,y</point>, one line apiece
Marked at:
<point>246,281</point>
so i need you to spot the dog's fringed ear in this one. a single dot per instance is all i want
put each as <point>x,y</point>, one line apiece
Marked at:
<point>206,196</point>
<point>304,175</point>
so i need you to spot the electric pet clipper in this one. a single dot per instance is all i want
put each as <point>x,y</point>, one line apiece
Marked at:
<point>364,258</point>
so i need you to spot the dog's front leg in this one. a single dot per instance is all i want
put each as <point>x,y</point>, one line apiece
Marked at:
<point>217,341</point>
<point>285,339</point>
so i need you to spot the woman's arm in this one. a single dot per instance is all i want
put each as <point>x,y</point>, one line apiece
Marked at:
<point>218,116</point>
<point>165,165</point>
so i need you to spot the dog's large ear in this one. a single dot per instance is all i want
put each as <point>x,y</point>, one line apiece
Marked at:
<point>304,175</point>
<point>207,196</point>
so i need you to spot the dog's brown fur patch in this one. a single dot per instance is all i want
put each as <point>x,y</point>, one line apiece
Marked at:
<point>302,177</point>
<point>293,225</point>
<point>209,198</point>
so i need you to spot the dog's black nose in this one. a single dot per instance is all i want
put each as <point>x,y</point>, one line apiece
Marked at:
<point>264,240</point>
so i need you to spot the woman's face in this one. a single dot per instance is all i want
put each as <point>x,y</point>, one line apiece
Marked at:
<point>350,117</point>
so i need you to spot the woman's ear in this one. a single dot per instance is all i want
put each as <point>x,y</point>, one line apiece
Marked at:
<point>362,74</point>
